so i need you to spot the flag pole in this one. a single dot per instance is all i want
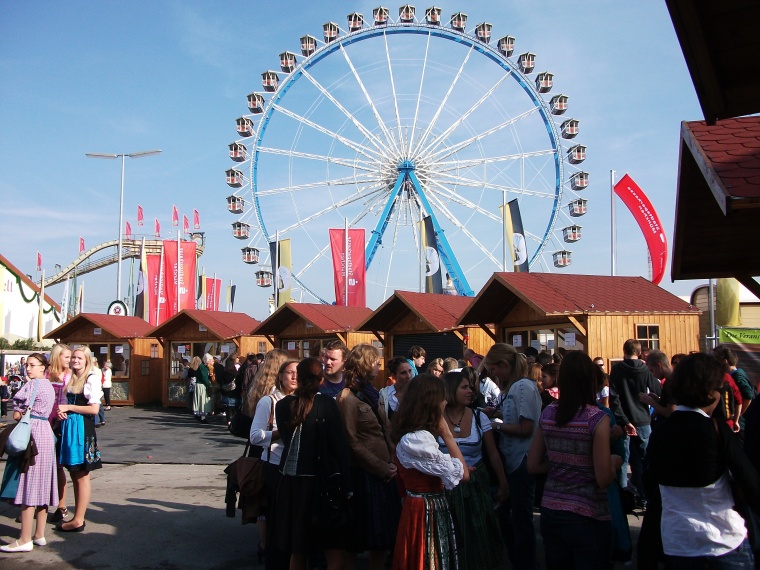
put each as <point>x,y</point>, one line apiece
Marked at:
<point>612,223</point>
<point>276,280</point>
<point>214,302</point>
<point>179,272</point>
<point>40,327</point>
<point>160,286</point>
<point>505,245</point>
<point>345,267</point>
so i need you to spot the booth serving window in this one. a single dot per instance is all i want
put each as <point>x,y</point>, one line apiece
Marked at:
<point>187,350</point>
<point>262,347</point>
<point>118,353</point>
<point>648,335</point>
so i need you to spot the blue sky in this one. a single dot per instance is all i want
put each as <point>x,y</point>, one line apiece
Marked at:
<point>116,77</point>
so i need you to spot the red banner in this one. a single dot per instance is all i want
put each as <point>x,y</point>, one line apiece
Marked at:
<point>175,216</point>
<point>179,275</point>
<point>157,228</point>
<point>213,293</point>
<point>357,296</point>
<point>196,220</point>
<point>128,230</point>
<point>185,224</point>
<point>39,261</point>
<point>81,244</point>
<point>140,216</point>
<point>157,314</point>
<point>649,222</point>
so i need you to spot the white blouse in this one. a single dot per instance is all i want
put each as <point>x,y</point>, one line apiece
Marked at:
<point>93,388</point>
<point>260,434</point>
<point>419,450</point>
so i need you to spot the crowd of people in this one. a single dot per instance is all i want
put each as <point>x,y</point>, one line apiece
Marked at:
<point>443,466</point>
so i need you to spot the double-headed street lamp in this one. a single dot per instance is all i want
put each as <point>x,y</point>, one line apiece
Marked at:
<point>121,203</point>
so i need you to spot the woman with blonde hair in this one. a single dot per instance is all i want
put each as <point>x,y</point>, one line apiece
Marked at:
<point>435,367</point>
<point>37,486</point>
<point>79,444</point>
<point>264,381</point>
<point>520,410</point>
<point>376,502</point>
<point>59,375</point>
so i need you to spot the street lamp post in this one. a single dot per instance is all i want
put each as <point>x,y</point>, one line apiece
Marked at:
<point>121,202</point>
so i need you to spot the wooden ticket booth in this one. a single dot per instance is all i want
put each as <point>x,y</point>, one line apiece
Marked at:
<point>303,329</point>
<point>134,353</point>
<point>428,320</point>
<point>194,332</point>
<point>592,313</point>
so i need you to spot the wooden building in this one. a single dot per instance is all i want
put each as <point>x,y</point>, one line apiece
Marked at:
<point>134,353</point>
<point>303,328</point>
<point>428,320</point>
<point>592,313</point>
<point>193,332</point>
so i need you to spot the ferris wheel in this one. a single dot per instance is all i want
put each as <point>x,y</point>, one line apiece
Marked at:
<point>385,122</point>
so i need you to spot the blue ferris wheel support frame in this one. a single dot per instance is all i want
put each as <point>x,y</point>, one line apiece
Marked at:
<point>406,173</point>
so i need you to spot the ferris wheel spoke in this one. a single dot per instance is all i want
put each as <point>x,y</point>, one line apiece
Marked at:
<point>348,181</point>
<point>419,94</point>
<point>461,227</point>
<point>449,165</point>
<point>442,105</point>
<point>438,140</point>
<point>462,201</point>
<point>448,151</point>
<point>350,116</point>
<point>470,183</point>
<point>313,260</point>
<point>388,136</point>
<point>369,166</point>
<point>393,90</point>
<point>353,145</point>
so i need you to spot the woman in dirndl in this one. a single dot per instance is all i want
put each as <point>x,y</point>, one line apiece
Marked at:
<point>426,538</point>
<point>79,444</point>
<point>38,486</point>
<point>479,540</point>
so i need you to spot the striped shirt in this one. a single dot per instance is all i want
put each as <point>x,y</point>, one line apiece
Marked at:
<point>571,482</point>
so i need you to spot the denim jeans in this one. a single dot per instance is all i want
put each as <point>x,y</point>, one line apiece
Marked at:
<point>637,450</point>
<point>575,541</point>
<point>519,533</point>
<point>740,557</point>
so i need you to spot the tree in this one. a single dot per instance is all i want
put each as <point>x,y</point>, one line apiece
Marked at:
<point>4,343</point>
<point>24,344</point>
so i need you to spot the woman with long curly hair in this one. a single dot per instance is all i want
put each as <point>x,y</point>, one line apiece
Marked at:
<point>376,503</point>
<point>79,444</point>
<point>425,538</point>
<point>304,419</point>
<point>263,382</point>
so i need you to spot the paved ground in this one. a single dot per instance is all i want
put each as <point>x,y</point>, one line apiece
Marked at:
<point>158,502</point>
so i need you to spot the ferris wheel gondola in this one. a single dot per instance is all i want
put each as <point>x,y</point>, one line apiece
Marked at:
<point>391,121</point>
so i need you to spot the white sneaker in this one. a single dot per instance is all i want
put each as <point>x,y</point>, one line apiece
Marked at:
<point>18,547</point>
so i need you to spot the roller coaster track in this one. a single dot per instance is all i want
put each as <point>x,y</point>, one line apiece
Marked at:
<point>94,259</point>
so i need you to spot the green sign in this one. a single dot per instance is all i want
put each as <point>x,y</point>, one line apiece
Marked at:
<point>739,336</point>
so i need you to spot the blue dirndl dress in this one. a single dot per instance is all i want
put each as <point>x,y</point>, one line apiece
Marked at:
<point>79,443</point>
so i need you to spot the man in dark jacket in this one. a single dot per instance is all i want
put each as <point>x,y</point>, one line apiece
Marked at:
<point>628,380</point>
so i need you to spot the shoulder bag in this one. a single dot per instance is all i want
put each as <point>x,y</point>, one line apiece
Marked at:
<point>19,438</point>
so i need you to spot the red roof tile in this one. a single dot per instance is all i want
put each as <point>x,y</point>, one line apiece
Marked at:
<point>731,148</point>
<point>121,327</point>
<point>439,312</point>
<point>222,324</point>
<point>327,318</point>
<point>557,294</point>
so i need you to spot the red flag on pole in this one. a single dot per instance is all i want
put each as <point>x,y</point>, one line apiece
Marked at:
<point>649,222</point>
<point>175,216</point>
<point>349,264</point>
<point>81,245</point>
<point>128,230</point>
<point>39,261</point>
<point>157,228</point>
<point>185,224</point>
<point>139,215</point>
<point>196,220</point>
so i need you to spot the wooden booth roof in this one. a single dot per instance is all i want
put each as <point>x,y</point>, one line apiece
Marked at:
<point>439,312</point>
<point>221,324</point>
<point>555,294</point>
<point>324,318</point>
<point>718,203</point>
<point>720,44</point>
<point>119,327</point>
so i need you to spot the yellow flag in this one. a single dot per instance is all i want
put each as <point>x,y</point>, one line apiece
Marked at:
<point>727,312</point>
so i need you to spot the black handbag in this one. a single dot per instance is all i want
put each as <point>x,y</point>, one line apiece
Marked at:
<point>240,425</point>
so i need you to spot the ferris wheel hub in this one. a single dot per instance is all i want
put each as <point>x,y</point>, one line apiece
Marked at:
<point>406,165</point>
